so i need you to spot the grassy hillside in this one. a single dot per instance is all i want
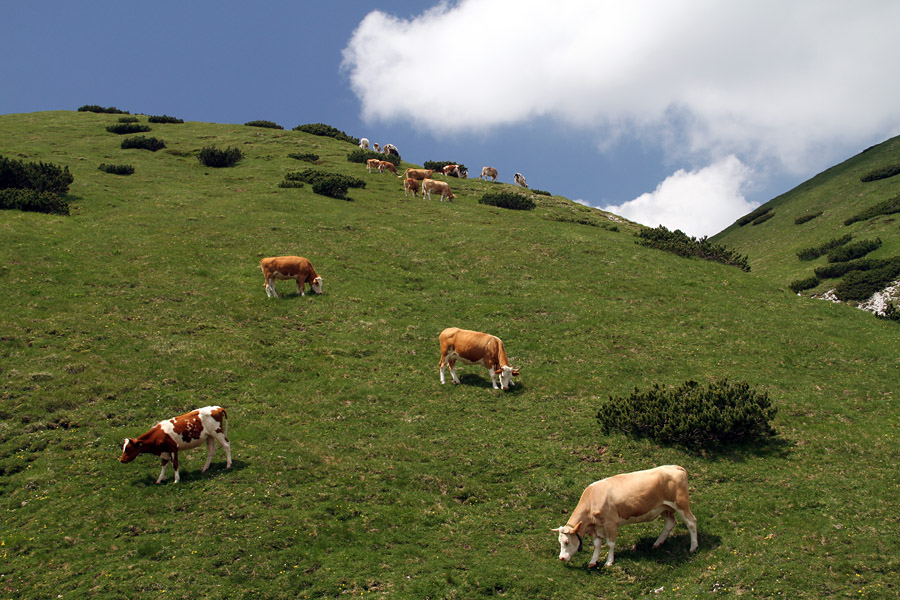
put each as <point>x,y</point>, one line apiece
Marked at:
<point>356,474</point>
<point>838,194</point>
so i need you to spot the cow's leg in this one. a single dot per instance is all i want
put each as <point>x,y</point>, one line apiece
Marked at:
<point>453,370</point>
<point>175,466</point>
<point>493,379</point>
<point>596,555</point>
<point>441,366</point>
<point>300,287</point>
<point>611,528</point>
<point>210,450</point>
<point>162,472</point>
<point>691,521</point>
<point>669,516</point>
<point>270,287</point>
<point>223,441</point>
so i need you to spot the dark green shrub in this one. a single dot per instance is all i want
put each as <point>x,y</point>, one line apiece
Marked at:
<point>313,176</point>
<point>806,218</point>
<point>540,192</point>
<point>307,156</point>
<point>361,156</point>
<point>164,119</point>
<point>750,217</point>
<point>99,109</point>
<point>839,269</point>
<point>890,313</point>
<point>717,416</point>
<point>213,157</point>
<point>887,207</point>
<point>128,119</point>
<point>327,131</point>
<point>126,128</point>
<point>117,169</point>
<point>438,166</point>
<point>510,200</point>
<point>799,285</point>
<point>855,250</point>
<point>762,218</point>
<point>41,177</point>
<point>860,285</point>
<point>291,184</point>
<point>267,124</point>
<point>33,201</point>
<point>817,251</point>
<point>334,187</point>
<point>678,242</point>
<point>141,142</point>
<point>882,173</point>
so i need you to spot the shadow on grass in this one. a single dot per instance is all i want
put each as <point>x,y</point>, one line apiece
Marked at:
<point>216,469</point>
<point>476,380</point>
<point>674,551</point>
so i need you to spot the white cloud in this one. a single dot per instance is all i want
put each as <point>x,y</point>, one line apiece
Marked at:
<point>701,202</point>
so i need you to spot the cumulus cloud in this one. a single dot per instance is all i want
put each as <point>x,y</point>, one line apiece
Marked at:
<point>700,202</point>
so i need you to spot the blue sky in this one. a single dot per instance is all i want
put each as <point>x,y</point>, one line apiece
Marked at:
<point>686,113</point>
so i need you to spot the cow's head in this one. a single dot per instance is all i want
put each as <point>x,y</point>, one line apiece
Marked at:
<point>316,285</point>
<point>569,541</point>
<point>131,449</point>
<point>506,374</point>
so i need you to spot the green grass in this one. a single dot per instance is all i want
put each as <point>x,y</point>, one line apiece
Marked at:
<point>356,474</point>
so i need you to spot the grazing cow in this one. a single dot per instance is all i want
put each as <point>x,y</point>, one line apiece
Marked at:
<point>372,163</point>
<point>520,180</point>
<point>410,185</point>
<point>376,147</point>
<point>451,170</point>
<point>627,498</point>
<point>364,143</point>
<point>386,164</point>
<point>488,172</point>
<point>391,149</point>
<point>290,267</point>
<point>432,185</point>
<point>418,174</point>
<point>166,438</point>
<point>474,347</point>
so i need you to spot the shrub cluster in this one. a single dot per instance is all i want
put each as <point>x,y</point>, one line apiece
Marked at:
<point>304,156</point>
<point>540,192</point>
<point>99,109</point>
<point>128,119</point>
<point>753,216</point>
<point>860,285</point>
<point>33,201</point>
<point>882,173</point>
<point>817,251</point>
<point>361,156</point>
<point>888,207</point>
<point>713,417</point>
<point>807,217</point>
<point>141,142</point>
<point>852,251</point>
<point>327,131</point>
<point>511,200</point>
<point>164,119</point>
<point>678,242</point>
<point>116,169</point>
<point>267,124</point>
<point>762,218</point>
<point>438,166</point>
<point>799,285</point>
<point>213,157</point>
<point>125,128</point>
<point>839,269</point>
<point>334,185</point>
<point>891,313</point>
<point>34,187</point>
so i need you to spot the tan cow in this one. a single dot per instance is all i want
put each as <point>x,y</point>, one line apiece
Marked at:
<point>419,174</point>
<point>372,163</point>
<point>627,498</point>
<point>488,172</point>
<point>474,347</point>
<point>433,185</point>
<point>410,185</point>
<point>290,267</point>
<point>386,164</point>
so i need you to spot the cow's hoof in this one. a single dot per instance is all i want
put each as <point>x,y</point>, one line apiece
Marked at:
<point>591,565</point>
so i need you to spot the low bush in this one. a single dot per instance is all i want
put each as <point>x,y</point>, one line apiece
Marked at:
<point>855,250</point>
<point>40,176</point>
<point>304,156</point>
<point>33,201</point>
<point>213,157</point>
<point>540,192</point>
<point>291,184</point>
<point>267,124</point>
<point>361,156</point>
<point>327,131</point>
<point>882,173</point>
<point>860,285</point>
<point>141,142</point>
<point>164,119</point>
<point>510,200</point>
<point>719,415</point>
<point>839,269</point>
<point>116,169</point>
<point>128,119</point>
<point>99,109</point>
<point>806,218</point>
<point>799,285</point>
<point>888,207</point>
<point>817,251</point>
<point>678,242</point>
<point>334,185</point>
<point>750,217</point>
<point>438,166</point>
<point>762,218</point>
<point>126,128</point>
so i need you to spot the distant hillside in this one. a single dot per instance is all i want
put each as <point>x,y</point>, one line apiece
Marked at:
<point>848,209</point>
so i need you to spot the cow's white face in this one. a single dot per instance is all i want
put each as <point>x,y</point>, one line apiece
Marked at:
<point>316,285</point>
<point>506,374</point>
<point>569,542</point>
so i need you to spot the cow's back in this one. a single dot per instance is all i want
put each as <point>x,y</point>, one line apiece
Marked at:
<point>285,265</point>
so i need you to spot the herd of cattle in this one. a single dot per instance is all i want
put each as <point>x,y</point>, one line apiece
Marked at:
<point>604,505</point>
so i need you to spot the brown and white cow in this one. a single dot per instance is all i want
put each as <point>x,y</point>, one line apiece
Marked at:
<point>627,498</point>
<point>419,174</point>
<point>433,185</point>
<point>391,149</point>
<point>167,438</point>
<point>372,163</point>
<point>474,347</point>
<point>290,267</point>
<point>520,179</point>
<point>410,185</point>
<point>451,170</point>
<point>386,164</point>
<point>488,172</point>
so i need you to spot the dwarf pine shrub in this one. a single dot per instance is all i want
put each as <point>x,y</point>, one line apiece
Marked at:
<point>855,250</point>
<point>313,176</point>
<point>839,269</point>
<point>806,218</point>
<point>327,131</point>
<point>361,156</point>
<point>750,217</point>
<point>762,218</point>
<point>860,285</point>
<point>510,200</point>
<point>817,251</point>
<point>678,242</point>
<point>33,201</point>
<point>213,157</point>
<point>304,156</point>
<point>266,124</point>
<point>128,119</point>
<point>40,176</point>
<point>117,169</point>
<point>126,128</point>
<point>164,119</point>
<point>438,166</point>
<point>141,142</point>
<point>94,108</point>
<point>888,207</point>
<point>719,415</point>
<point>799,285</point>
<point>882,173</point>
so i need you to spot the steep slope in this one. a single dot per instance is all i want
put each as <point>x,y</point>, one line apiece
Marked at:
<point>355,472</point>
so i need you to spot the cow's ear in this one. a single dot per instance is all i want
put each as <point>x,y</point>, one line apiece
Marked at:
<point>515,371</point>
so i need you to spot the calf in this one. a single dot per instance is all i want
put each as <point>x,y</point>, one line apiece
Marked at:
<point>410,185</point>
<point>166,438</point>
<point>475,347</point>
<point>627,498</point>
<point>488,172</point>
<point>290,267</point>
<point>520,179</point>
<point>432,185</point>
